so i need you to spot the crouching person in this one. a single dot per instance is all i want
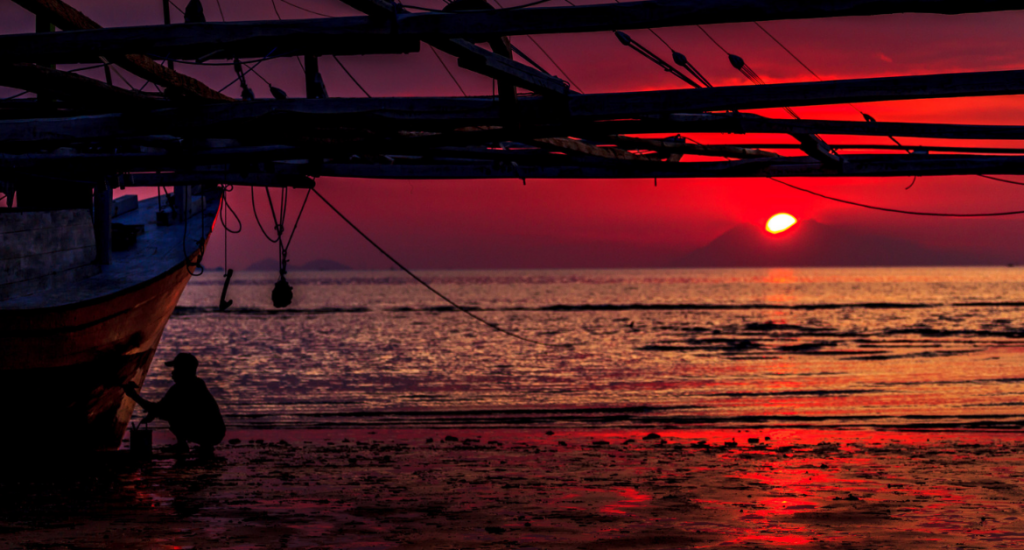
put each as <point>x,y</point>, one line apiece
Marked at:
<point>188,406</point>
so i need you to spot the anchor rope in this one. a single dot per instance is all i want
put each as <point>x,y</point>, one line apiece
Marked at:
<point>493,326</point>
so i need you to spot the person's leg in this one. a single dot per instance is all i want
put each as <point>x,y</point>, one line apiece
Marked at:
<point>182,445</point>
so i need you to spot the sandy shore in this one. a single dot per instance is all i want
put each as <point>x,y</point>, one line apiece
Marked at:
<point>500,488</point>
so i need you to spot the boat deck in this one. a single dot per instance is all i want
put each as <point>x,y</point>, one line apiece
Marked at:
<point>158,249</point>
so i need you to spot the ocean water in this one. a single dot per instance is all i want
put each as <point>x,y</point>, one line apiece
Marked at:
<point>672,348</point>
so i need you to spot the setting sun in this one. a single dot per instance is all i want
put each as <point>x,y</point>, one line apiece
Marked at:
<point>779,223</point>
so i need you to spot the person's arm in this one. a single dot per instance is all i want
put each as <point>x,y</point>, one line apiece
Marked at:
<point>131,390</point>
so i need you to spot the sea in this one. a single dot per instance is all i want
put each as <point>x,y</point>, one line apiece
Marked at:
<point>907,348</point>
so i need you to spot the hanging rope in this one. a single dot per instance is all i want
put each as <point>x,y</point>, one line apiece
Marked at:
<point>493,326</point>
<point>224,303</point>
<point>898,211</point>
<point>740,65</point>
<point>282,294</point>
<point>627,41</point>
<point>194,268</point>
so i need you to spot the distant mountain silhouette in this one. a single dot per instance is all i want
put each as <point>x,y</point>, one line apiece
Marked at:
<point>320,264</point>
<point>812,244</point>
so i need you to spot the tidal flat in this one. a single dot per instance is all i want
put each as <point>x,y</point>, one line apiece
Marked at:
<point>528,488</point>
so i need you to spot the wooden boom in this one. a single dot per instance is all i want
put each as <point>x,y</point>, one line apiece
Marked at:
<point>69,19</point>
<point>402,32</point>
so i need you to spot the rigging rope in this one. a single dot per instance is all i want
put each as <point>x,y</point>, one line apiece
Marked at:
<point>546,54</point>
<point>1001,179</point>
<point>307,10</point>
<point>282,293</point>
<point>455,80</point>
<point>867,117</point>
<point>896,210</point>
<point>460,308</point>
<point>342,65</point>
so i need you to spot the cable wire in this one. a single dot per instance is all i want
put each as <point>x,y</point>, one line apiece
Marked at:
<point>896,210</point>
<point>493,326</point>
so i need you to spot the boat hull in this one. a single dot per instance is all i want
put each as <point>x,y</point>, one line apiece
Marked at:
<point>62,368</point>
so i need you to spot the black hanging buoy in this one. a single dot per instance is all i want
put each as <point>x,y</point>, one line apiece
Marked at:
<point>282,293</point>
<point>278,93</point>
<point>737,62</point>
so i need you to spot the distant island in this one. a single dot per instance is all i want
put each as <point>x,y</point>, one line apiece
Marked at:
<point>319,264</point>
<point>814,244</point>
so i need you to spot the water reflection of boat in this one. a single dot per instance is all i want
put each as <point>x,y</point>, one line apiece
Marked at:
<point>73,330</point>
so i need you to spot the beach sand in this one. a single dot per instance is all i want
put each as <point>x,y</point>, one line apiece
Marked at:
<point>526,488</point>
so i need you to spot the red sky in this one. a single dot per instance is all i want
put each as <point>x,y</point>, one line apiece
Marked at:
<point>565,224</point>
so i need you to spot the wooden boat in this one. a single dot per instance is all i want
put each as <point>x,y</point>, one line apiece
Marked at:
<point>73,331</point>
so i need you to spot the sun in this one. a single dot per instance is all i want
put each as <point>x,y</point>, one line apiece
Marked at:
<point>779,223</point>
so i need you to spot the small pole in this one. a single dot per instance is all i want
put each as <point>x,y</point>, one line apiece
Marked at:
<point>103,199</point>
<point>167,21</point>
<point>312,69</point>
<point>182,201</point>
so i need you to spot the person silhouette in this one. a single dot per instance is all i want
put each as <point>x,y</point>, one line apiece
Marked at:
<point>188,406</point>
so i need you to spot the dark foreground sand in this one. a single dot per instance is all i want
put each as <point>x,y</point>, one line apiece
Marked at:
<point>501,488</point>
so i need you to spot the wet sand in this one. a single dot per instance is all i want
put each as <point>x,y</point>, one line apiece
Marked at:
<point>525,488</point>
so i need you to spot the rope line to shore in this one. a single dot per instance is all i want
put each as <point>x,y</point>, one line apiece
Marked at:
<point>476,317</point>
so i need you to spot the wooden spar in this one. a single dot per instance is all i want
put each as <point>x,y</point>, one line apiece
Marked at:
<point>212,175</point>
<point>547,167</point>
<point>473,57</point>
<point>575,115</point>
<point>815,147</point>
<point>398,33</point>
<point>681,147</point>
<point>745,123</point>
<point>214,41</point>
<point>587,149</point>
<point>583,168</point>
<point>312,70</point>
<point>69,19</point>
<point>246,180</point>
<point>72,88</point>
<point>489,64</point>
<point>167,21</point>
<point>56,163</point>
<point>829,92</point>
<point>905,147</point>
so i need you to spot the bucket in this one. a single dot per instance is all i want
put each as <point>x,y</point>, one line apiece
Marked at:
<point>140,443</point>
